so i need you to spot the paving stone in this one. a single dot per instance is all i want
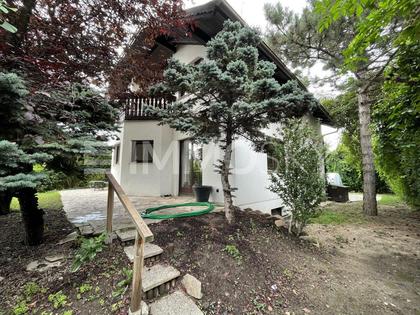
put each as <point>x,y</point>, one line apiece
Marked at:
<point>158,274</point>
<point>86,230</point>
<point>54,258</point>
<point>192,285</point>
<point>280,223</point>
<point>150,250</point>
<point>144,310</point>
<point>42,266</point>
<point>175,304</point>
<point>126,235</point>
<point>69,238</point>
<point>1,279</point>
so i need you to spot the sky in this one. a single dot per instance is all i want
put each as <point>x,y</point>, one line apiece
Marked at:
<point>252,11</point>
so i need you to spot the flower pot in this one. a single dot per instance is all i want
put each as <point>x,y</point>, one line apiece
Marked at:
<point>202,193</point>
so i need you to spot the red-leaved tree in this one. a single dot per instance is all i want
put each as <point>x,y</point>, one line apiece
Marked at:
<point>77,41</point>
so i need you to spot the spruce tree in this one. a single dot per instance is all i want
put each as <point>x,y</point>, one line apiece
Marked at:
<point>52,128</point>
<point>230,94</point>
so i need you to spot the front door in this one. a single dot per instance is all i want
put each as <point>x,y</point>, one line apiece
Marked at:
<point>190,166</point>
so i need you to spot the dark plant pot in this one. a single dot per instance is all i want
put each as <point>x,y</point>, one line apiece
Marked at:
<point>202,193</point>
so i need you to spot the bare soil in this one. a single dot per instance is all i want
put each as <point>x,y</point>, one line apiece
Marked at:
<point>375,263</point>
<point>102,274</point>
<point>252,267</point>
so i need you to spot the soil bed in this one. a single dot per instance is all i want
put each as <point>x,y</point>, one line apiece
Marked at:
<point>359,266</point>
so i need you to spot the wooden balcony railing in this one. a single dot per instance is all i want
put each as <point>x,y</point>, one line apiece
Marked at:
<point>143,235</point>
<point>135,106</point>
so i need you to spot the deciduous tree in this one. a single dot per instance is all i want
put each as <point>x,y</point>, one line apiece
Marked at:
<point>297,178</point>
<point>79,41</point>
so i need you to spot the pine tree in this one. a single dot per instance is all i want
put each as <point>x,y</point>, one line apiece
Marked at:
<point>228,95</point>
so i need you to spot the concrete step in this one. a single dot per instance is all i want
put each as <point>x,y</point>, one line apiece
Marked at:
<point>158,280</point>
<point>152,252</point>
<point>176,303</point>
<point>126,235</point>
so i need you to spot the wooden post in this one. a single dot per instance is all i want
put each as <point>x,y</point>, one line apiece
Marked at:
<point>136,292</point>
<point>109,210</point>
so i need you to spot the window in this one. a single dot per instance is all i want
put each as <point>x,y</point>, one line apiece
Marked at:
<point>269,149</point>
<point>142,151</point>
<point>271,160</point>
<point>197,61</point>
<point>117,153</point>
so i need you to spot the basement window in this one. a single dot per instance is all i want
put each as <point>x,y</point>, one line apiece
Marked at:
<point>142,151</point>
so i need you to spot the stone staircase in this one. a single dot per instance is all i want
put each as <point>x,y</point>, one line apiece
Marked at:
<point>160,282</point>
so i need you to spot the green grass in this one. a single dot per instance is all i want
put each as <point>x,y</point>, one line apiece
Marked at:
<point>47,200</point>
<point>341,213</point>
<point>389,200</point>
<point>334,218</point>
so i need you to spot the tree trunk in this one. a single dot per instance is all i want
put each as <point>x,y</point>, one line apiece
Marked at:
<point>5,200</point>
<point>32,216</point>
<point>227,189</point>
<point>369,181</point>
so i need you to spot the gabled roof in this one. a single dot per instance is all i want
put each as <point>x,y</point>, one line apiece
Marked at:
<point>207,21</point>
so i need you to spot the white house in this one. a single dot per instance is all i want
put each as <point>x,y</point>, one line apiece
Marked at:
<point>154,160</point>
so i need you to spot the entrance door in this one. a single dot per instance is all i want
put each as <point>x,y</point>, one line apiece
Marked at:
<point>190,166</point>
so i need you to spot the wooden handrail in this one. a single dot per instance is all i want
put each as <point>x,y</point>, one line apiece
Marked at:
<point>141,226</point>
<point>143,234</point>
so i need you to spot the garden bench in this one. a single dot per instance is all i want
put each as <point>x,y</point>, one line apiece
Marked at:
<point>98,184</point>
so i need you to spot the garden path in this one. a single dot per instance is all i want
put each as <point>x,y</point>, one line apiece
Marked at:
<point>88,207</point>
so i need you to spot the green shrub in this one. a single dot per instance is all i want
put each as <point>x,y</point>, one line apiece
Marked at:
<point>297,178</point>
<point>233,251</point>
<point>21,308</point>
<point>396,119</point>
<point>58,299</point>
<point>88,250</point>
<point>31,288</point>
<point>123,284</point>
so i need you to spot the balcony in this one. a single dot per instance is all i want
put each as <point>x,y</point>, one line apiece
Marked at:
<point>135,107</point>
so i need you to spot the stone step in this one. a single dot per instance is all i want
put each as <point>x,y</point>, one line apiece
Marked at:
<point>151,252</point>
<point>158,280</point>
<point>126,235</point>
<point>176,303</point>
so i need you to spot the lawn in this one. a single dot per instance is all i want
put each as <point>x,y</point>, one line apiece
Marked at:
<point>350,213</point>
<point>389,200</point>
<point>50,200</point>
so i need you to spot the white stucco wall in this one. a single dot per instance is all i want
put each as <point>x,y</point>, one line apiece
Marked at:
<point>211,153</point>
<point>251,178</point>
<point>146,179</point>
<point>116,167</point>
<point>189,53</point>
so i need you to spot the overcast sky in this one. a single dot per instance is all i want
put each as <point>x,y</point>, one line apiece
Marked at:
<point>252,11</point>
